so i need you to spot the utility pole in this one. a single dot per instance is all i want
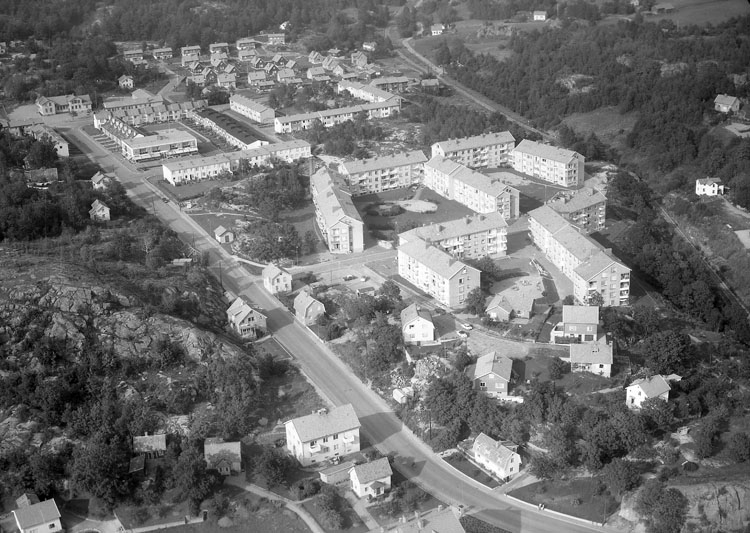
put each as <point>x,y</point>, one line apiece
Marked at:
<point>221,278</point>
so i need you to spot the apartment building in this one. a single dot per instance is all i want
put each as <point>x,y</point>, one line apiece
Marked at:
<point>135,56</point>
<point>392,84</point>
<point>137,99</point>
<point>369,93</point>
<point>253,110</point>
<point>436,272</point>
<point>549,163</point>
<point>323,434</point>
<point>585,208</point>
<point>162,53</point>
<point>165,143</point>
<point>331,117</point>
<point>189,54</point>
<point>200,168</point>
<point>481,151</point>
<point>589,266</point>
<point>335,214</point>
<point>480,193</point>
<point>233,131</point>
<point>469,237</point>
<point>53,105</point>
<point>377,174</point>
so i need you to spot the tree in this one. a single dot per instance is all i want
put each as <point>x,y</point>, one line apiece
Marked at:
<point>738,447</point>
<point>664,509</point>
<point>192,479</point>
<point>273,466</point>
<point>647,318</point>
<point>569,300</point>
<point>620,476</point>
<point>658,414</point>
<point>557,368</point>
<point>544,466</point>
<point>475,301</point>
<point>666,351</point>
<point>101,468</point>
<point>385,343</point>
<point>595,299</point>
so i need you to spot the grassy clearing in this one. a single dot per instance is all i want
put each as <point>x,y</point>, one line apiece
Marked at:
<point>461,463</point>
<point>576,497</point>
<point>352,523</point>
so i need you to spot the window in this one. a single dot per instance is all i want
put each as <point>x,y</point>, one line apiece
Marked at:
<point>335,436</point>
<point>325,439</point>
<point>312,443</point>
<point>482,384</point>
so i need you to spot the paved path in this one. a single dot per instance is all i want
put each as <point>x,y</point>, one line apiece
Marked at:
<point>359,506</point>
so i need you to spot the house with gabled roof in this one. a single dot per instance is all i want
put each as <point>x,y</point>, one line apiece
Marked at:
<point>38,518</point>
<point>369,46</point>
<point>437,29</point>
<point>723,103</point>
<point>100,180</point>
<point>594,357</point>
<point>99,211</point>
<point>498,308</point>
<point>709,187</point>
<point>416,325</point>
<point>150,445</point>
<point>580,323</point>
<point>369,480</point>
<point>323,435</point>
<point>126,81</point>
<point>438,520</point>
<point>223,235</point>
<point>256,76</point>
<point>276,279</point>
<point>315,57</point>
<point>53,105</point>
<point>225,457</point>
<point>516,299</point>
<point>247,320</point>
<point>307,308</point>
<point>359,59</point>
<point>491,374</point>
<point>643,389</point>
<point>336,215</point>
<point>501,458</point>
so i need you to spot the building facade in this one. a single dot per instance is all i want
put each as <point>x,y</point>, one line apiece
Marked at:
<point>251,109</point>
<point>481,151</point>
<point>416,325</point>
<point>471,237</point>
<point>549,163</point>
<point>377,174</point>
<point>585,208</point>
<point>323,435</point>
<point>335,214</point>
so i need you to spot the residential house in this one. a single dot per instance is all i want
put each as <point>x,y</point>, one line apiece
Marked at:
<point>227,80</point>
<point>125,81</point>
<point>491,374</point>
<point>498,308</point>
<point>42,132</point>
<point>38,518</point>
<point>585,208</point>
<point>284,75</point>
<point>315,72</point>
<point>516,298</point>
<point>500,458</point>
<point>580,323</point>
<point>480,151</point>
<point>471,237</point>
<point>437,29</point>
<point>162,53</point>
<point>276,279</point>
<point>437,520</point>
<point>225,457</point>
<point>246,43</point>
<point>257,63</point>
<point>540,16</point>
<point>594,357</point>
<point>316,58</point>
<point>335,214</point>
<point>188,54</point>
<point>369,480</point>
<point>478,192</point>
<point>223,235</point>
<point>337,473</point>
<point>392,84</point>
<point>416,325</point>
<point>245,319</point>
<point>709,187</point>
<point>276,38</point>
<point>591,267</point>
<point>246,55</point>
<point>369,46</point>
<point>549,163</point>
<point>152,446</point>
<point>643,389</point>
<point>218,48</point>
<point>307,309</point>
<point>359,59</point>
<point>290,63</point>
<point>359,90</point>
<point>430,85</point>
<point>135,56</point>
<point>256,76</point>
<point>270,69</point>
<point>323,435</point>
<point>99,212</point>
<point>100,180</point>
<point>253,110</point>
<point>53,105</point>
<point>377,174</point>
<point>724,103</point>
<point>436,272</point>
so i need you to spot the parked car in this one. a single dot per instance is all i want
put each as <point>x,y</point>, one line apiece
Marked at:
<point>349,277</point>
<point>468,326</point>
<point>463,334</point>
<point>165,200</point>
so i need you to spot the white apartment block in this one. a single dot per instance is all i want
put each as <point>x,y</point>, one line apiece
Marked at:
<point>481,151</point>
<point>480,193</point>
<point>377,174</point>
<point>589,266</point>
<point>585,208</point>
<point>436,272</point>
<point>335,214</point>
<point>331,117</point>
<point>251,109</point>
<point>549,163</point>
<point>470,237</point>
<point>200,168</point>
<point>369,93</point>
<point>323,435</point>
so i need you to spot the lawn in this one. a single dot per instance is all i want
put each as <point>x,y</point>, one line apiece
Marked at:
<point>191,190</point>
<point>352,522</point>
<point>152,515</point>
<point>576,497</point>
<point>607,122</point>
<point>461,463</point>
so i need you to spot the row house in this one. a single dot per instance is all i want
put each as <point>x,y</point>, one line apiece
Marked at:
<point>163,144</point>
<point>589,266</point>
<point>162,53</point>
<point>42,132</point>
<point>245,319</point>
<point>135,56</point>
<point>470,237</point>
<point>150,114</point>
<point>377,174</point>
<point>331,117</point>
<point>436,272</point>
<point>336,216</point>
<point>489,150</point>
<point>392,84</point>
<point>200,168</point>
<point>54,105</point>
<point>137,99</point>
<point>231,130</point>
<point>478,192</point>
<point>251,109</point>
<point>585,208</point>
<point>359,90</point>
<point>549,163</point>
<point>323,435</point>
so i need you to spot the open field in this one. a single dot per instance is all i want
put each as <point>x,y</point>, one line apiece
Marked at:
<point>702,12</point>
<point>461,463</point>
<point>576,497</point>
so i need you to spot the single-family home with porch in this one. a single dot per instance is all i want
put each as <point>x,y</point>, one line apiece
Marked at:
<point>276,279</point>
<point>416,325</point>
<point>225,457</point>
<point>99,212</point>
<point>223,235</point>
<point>372,479</point>
<point>323,435</point>
<point>308,309</point>
<point>723,103</point>
<point>709,187</point>
<point>245,319</point>
<point>501,458</point>
<point>39,517</point>
<point>646,388</point>
<point>580,323</point>
<point>491,374</point>
<point>594,357</point>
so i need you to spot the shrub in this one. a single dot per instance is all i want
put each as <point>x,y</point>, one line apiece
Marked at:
<point>558,368</point>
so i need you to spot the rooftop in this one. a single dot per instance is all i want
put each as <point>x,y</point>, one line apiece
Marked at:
<point>233,127</point>
<point>434,258</point>
<point>162,137</point>
<point>332,201</point>
<point>495,451</point>
<point>477,141</point>
<point>400,159</point>
<point>494,363</point>
<point>652,387</point>
<point>547,151</point>
<point>572,201</point>
<point>325,422</point>
<point>413,312</point>
<point>594,352</point>
<point>149,443</point>
<point>37,514</point>
<point>580,314</point>
<point>456,228</point>
<point>373,471</point>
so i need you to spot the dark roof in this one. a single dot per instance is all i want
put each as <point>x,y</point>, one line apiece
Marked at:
<point>233,127</point>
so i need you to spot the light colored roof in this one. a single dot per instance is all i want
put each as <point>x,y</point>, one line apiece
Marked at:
<point>493,186</point>
<point>97,205</point>
<point>388,80</point>
<point>414,311</point>
<point>708,181</point>
<point>494,363</point>
<point>548,218</point>
<point>221,230</point>
<point>597,263</point>
<point>162,50</point>
<point>570,202</point>
<point>499,300</point>
<point>521,293</point>
<point>304,300</point>
<point>321,424</point>
<point>580,314</point>
<point>269,149</point>
<point>400,159</point>
<point>725,99</point>
<point>459,227</point>
<point>332,201</point>
<point>248,102</point>
<point>149,443</point>
<point>477,141</point>
<point>652,387</point>
<point>215,450</point>
<point>37,514</point>
<point>433,257</point>
<point>546,151</point>
<point>99,177</point>
<point>494,451</point>
<point>373,471</point>
<point>240,309</point>
<point>333,469</point>
<point>272,270</point>
<point>133,100</point>
<point>594,352</point>
<point>161,137</point>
